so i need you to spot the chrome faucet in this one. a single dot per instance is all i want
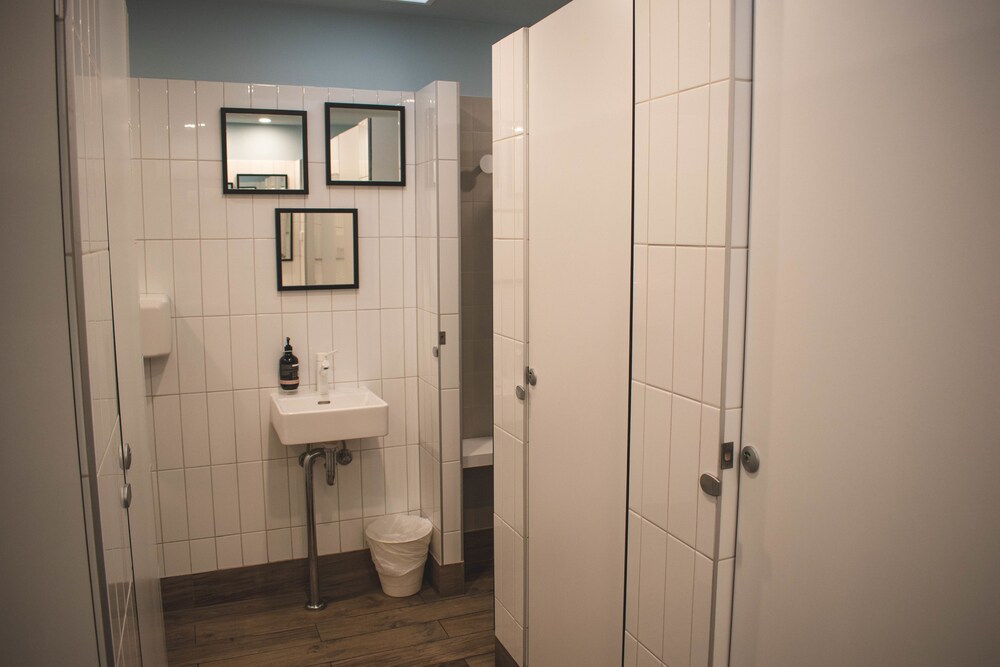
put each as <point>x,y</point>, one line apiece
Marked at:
<point>324,372</point>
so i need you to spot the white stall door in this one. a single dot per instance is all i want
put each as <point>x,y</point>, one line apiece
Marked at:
<point>870,534</point>
<point>579,254</point>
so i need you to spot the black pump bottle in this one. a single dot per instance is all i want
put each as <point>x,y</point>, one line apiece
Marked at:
<point>288,368</point>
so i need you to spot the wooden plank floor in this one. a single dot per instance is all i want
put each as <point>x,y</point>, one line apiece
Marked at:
<point>367,628</point>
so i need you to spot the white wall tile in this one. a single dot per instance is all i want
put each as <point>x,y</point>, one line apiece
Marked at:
<point>211,204</point>
<point>176,559</point>
<point>652,570</point>
<point>167,428</point>
<point>395,480</point>
<point>393,343</point>
<point>187,278</point>
<point>201,523</point>
<point>640,195</point>
<point>263,96</point>
<point>656,455</point>
<point>692,164</point>
<point>218,361</point>
<point>642,48</point>
<point>660,317</point>
<point>229,551</point>
<point>184,211</point>
<point>369,345</point>
<point>182,114</point>
<point>194,430</point>
<point>236,94</point>
<point>215,277</point>
<point>663,53</point>
<point>345,340</point>
<point>246,409</point>
<point>743,40</point>
<point>685,443</point>
<point>153,118</point>
<point>221,428</point>
<point>451,496</point>
<point>209,99</point>
<point>270,343</point>
<point>277,512</point>
<point>391,272</point>
<point>156,218</point>
<point>689,322</point>
<point>254,548</point>
<point>244,352</point>
<point>241,278</point>
<point>349,487</point>
<point>718,162</point>
<point>173,505</point>
<point>662,209</point>
<point>251,481</point>
<point>715,293</point>
<point>203,555</point>
<point>267,295</point>
<point>678,600</point>
<point>740,212</point>
<point>636,457</point>
<point>632,568</point>
<point>640,278</point>
<point>693,42</point>
<point>373,482</point>
<point>328,538</point>
<point>226,499</point>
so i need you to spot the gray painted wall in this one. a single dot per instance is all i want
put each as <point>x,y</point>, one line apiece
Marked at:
<point>299,44</point>
<point>47,616</point>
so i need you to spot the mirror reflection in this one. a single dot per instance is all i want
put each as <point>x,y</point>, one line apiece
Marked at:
<point>364,144</point>
<point>317,248</point>
<point>264,150</point>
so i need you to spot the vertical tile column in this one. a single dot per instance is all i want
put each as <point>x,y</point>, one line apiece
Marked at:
<point>510,138</point>
<point>691,186</point>
<point>438,287</point>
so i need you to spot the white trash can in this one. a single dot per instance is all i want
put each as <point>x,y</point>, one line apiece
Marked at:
<point>399,551</point>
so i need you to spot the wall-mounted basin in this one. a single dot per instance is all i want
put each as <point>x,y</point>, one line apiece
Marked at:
<point>343,414</point>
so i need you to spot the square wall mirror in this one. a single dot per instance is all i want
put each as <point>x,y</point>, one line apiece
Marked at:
<point>264,152</point>
<point>365,145</point>
<point>316,248</point>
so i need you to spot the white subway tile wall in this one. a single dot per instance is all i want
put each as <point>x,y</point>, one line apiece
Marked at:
<point>229,493</point>
<point>692,122</point>
<point>510,137</point>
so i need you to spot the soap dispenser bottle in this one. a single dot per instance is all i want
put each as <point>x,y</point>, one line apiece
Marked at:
<point>288,368</point>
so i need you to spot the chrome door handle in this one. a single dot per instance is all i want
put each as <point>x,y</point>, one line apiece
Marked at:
<point>750,458</point>
<point>126,456</point>
<point>127,496</point>
<point>519,392</point>
<point>435,351</point>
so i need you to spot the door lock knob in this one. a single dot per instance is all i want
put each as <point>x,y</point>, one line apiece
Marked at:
<point>750,459</point>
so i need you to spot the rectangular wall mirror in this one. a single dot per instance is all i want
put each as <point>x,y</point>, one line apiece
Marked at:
<point>365,144</point>
<point>316,248</point>
<point>264,152</point>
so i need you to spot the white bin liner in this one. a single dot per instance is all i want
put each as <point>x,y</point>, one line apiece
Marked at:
<point>399,543</point>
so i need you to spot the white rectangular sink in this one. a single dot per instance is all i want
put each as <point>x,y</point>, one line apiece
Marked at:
<point>344,414</point>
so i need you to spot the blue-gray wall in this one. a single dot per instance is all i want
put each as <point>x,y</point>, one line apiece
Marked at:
<point>250,41</point>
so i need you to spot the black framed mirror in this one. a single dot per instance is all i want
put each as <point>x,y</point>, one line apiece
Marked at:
<point>365,144</point>
<point>264,152</point>
<point>316,248</point>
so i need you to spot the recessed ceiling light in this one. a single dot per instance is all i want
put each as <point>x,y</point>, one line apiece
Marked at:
<point>415,2</point>
<point>264,119</point>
